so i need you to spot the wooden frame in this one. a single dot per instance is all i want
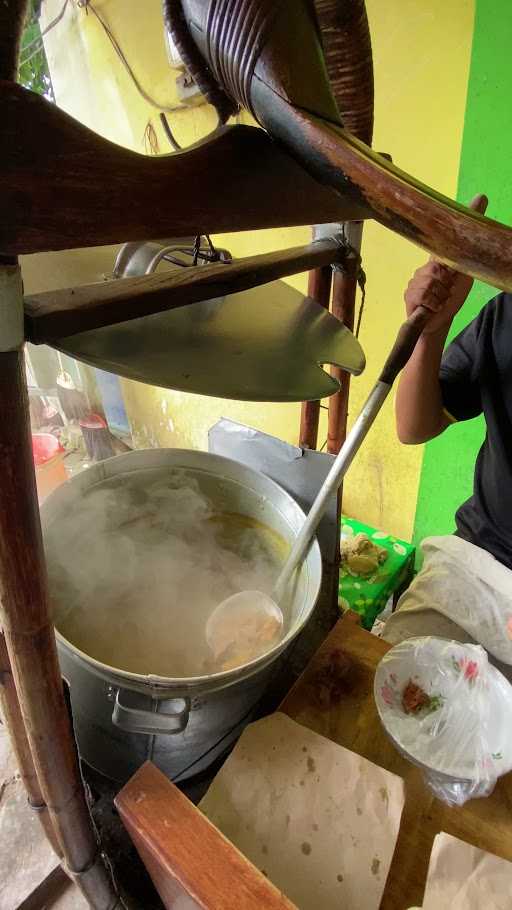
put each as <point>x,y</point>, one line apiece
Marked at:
<point>187,857</point>
<point>108,194</point>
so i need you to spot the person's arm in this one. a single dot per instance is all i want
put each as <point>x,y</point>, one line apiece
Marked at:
<point>420,413</point>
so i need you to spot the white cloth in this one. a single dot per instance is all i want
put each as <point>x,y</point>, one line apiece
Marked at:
<point>461,592</point>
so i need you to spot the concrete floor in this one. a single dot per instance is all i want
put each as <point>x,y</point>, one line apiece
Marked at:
<point>26,858</point>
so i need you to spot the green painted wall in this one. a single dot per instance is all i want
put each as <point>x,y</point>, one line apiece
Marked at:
<point>486,166</point>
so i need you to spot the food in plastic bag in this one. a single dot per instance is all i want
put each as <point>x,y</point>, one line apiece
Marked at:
<point>449,712</point>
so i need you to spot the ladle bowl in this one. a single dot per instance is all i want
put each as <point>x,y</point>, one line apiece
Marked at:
<point>243,627</point>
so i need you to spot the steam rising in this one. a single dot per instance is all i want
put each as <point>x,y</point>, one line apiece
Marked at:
<point>136,569</point>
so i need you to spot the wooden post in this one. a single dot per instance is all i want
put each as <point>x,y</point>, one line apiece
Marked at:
<point>319,289</point>
<point>28,629</point>
<point>343,307</point>
<point>40,719</point>
<point>14,722</point>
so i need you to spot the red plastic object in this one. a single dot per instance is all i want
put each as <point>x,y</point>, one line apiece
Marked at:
<point>49,462</point>
<point>45,447</point>
<point>93,422</point>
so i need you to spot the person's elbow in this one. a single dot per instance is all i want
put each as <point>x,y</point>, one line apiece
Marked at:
<point>415,434</point>
<point>411,436</point>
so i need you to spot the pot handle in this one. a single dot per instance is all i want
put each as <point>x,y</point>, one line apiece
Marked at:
<point>138,720</point>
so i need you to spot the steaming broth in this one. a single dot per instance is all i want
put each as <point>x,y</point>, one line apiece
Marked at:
<point>151,573</point>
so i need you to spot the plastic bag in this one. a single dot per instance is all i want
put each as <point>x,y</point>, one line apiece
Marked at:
<point>467,586</point>
<point>448,711</point>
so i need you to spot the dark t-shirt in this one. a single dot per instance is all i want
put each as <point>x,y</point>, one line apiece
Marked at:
<point>476,378</point>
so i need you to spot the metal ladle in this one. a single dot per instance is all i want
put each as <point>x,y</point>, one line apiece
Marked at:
<point>249,623</point>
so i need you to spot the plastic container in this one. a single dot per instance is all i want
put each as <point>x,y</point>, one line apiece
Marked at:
<point>49,464</point>
<point>448,711</point>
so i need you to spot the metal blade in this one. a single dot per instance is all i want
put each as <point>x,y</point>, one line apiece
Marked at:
<point>264,344</point>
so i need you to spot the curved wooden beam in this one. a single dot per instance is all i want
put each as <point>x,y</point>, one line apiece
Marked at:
<point>280,74</point>
<point>348,57</point>
<point>64,186</point>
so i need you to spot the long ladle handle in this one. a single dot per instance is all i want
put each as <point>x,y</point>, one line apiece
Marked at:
<point>402,349</point>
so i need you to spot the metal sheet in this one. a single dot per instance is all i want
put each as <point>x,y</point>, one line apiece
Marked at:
<point>265,344</point>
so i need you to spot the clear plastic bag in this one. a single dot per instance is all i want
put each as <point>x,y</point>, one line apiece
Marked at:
<point>467,586</point>
<point>448,711</point>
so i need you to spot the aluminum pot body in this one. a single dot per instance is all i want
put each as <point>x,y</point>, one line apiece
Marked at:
<point>181,724</point>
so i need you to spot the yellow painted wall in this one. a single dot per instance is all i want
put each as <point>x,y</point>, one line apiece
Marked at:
<point>421,54</point>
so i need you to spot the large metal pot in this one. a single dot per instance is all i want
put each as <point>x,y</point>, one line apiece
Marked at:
<point>122,718</point>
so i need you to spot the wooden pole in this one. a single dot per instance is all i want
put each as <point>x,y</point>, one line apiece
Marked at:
<point>343,307</point>
<point>14,722</point>
<point>319,289</point>
<point>40,718</point>
<point>28,629</point>
<point>12,19</point>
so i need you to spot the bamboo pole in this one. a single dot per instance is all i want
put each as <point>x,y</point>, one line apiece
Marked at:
<point>40,719</point>
<point>28,630</point>
<point>14,723</point>
<point>12,18</point>
<point>319,289</point>
<point>343,307</point>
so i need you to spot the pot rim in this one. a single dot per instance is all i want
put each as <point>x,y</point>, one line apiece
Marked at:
<point>223,678</point>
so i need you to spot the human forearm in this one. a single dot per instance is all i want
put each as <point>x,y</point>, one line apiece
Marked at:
<point>419,405</point>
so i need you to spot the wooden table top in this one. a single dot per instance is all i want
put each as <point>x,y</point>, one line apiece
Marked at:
<point>334,697</point>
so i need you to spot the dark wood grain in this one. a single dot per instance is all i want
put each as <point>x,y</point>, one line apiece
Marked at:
<point>454,234</point>
<point>13,14</point>
<point>348,58</point>
<point>334,697</point>
<point>64,186</point>
<point>188,859</point>
<point>58,314</point>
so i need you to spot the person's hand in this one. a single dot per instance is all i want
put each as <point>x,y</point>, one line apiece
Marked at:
<point>439,288</point>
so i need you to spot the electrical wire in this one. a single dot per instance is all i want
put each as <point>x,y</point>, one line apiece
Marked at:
<point>361,280</point>
<point>197,248</point>
<point>87,5</point>
<point>39,39</point>
<point>169,133</point>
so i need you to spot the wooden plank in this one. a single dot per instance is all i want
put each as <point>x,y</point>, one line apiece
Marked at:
<point>186,856</point>
<point>64,186</point>
<point>334,697</point>
<point>68,311</point>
